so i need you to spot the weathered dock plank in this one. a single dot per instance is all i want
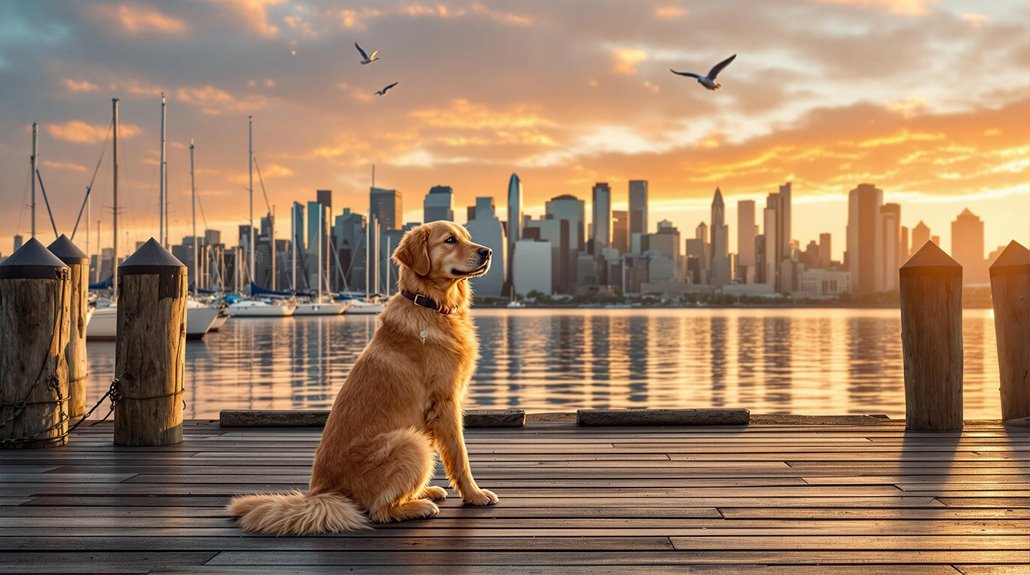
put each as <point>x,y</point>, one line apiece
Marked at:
<point>763,498</point>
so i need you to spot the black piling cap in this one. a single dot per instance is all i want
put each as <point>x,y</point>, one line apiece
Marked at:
<point>33,261</point>
<point>151,258</point>
<point>67,252</point>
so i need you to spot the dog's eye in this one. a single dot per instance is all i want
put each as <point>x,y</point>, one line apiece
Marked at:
<point>451,240</point>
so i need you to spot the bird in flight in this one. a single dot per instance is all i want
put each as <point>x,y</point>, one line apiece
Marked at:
<point>708,80</point>
<point>386,89</point>
<point>365,58</point>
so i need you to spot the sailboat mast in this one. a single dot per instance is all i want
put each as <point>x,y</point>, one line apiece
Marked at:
<point>33,163</point>
<point>114,140</point>
<point>368,250</point>
<point>271,232</point>
<point>293,249</point>
<point>196,250</point>
<point>161,184</point>
<point>250,167</point>
<point>321,231</point>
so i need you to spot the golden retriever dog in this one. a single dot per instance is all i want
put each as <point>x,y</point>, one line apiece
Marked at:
<point>401,401</point>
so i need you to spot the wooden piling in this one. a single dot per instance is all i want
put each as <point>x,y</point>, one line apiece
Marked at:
<point>34,322</point>
<point>150,354</point>
<point>1010,293</point>
<point>931,337</point>
<point>75,352</point>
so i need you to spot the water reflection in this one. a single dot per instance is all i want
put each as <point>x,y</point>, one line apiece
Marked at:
<point>809,361</point>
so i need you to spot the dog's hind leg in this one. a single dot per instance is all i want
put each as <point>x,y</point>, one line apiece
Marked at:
<point>405,466</point>
<point>433,492</point>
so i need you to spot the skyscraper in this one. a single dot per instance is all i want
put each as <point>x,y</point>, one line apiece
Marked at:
<point>325,197</point>
<point>514,229</point>
<point>486,229</point>
<point>746,232</point>
<point>720,243</point>
<point>967,247</point>
<point>920,235</point>
<point>317,241</point>
<point>620,231</point>
<point>438,204</point>
<point>903,249</point>
<point>783,224</point>
<point>637,208</point>
<point>770,240</point>
<point>602,217</point>
<point>864,239</point>
<point>825,251</point>
<point>890,240</point>
<point>298,253</point>
<point>386,207</point>
<point>569,211</point>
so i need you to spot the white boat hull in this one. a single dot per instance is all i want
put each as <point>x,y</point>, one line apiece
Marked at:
<point>320,308</point>
<point>104,324</point>
<point>260,309</point>
<point>358,307</point>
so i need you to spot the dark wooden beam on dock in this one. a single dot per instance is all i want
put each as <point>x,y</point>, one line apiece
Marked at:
<point>633,417</point>
<point>317,417</point>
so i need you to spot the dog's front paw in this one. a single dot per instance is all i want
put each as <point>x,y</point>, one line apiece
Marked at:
<point>481,497</point>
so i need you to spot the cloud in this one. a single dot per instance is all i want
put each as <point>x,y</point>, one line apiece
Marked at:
<point>215,101</point>
<point>79,132</point>
<point>137,20</point>
<point>69,166</point>
<point>975,20</point>
<point>625,60</point>
<point>670,11</point>
<point>253,15</point>
<point>906,7</point>
<point>78,86</point>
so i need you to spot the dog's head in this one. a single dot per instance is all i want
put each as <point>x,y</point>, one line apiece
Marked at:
<point>442,252</point>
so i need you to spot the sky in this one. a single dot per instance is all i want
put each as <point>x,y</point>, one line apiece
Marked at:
<point>929,100</point>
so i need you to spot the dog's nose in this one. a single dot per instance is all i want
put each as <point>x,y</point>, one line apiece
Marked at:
<point>485,252</point>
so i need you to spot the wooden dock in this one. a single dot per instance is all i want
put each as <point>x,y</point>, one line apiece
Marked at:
<point>766,498</point>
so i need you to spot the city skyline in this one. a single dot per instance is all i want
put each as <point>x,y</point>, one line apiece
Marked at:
<point>614,113</point>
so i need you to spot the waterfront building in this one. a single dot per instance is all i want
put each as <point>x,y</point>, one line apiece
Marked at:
<point>532,267</point>
<point>746,232</point>
<point>317,243</point>
<point>486,229</point>
<point>620,231</point>
<point>890,242</point>
<point>822,284</point>
<point>638,207</point>
<point>967,247</point>
<point>825,251</point>
<point>387,207</point>
<point>514,224</point>
<point>865,242</point>
<point>438,204</point>
<point>570,211</point>
<point>920,235</point>
<point>721,273</point>
<point>549,231</point>
<point>349,235</point>
<point>601,236</point>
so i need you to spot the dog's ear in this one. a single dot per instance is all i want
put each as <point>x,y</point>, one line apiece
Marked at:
<point>413,252</point>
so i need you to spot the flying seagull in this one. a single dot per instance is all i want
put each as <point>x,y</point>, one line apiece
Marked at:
<point>383,91</point>
<point>365,58</point>
<point>708,81</point>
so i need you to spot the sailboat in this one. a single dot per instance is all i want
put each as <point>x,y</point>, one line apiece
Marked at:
<point>320,304</point>
<point>255,306</point>
<point>104,325</point>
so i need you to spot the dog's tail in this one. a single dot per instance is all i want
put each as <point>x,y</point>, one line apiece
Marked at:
<point>297,514</point>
